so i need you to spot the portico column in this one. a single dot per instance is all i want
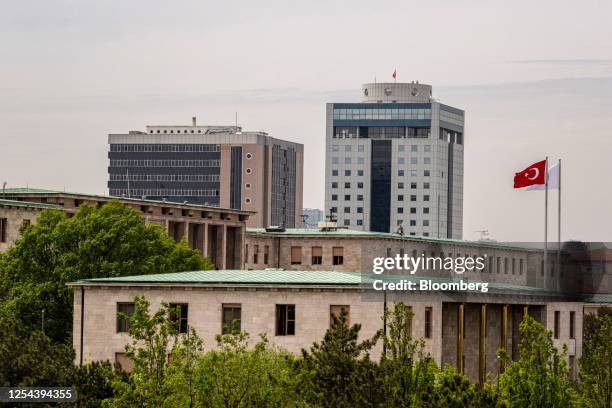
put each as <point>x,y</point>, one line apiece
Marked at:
<point>224,247</point>
<point>504,336</point>
<point>482,355</point>
<point>460,334</point>
<point>205,239</point>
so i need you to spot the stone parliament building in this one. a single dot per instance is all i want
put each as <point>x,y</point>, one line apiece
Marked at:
<point>287,282</point>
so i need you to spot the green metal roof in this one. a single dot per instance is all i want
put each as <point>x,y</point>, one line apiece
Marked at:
<point>598,298</point>
<point>287,277</point>
<point>266,276</point>
<point>348,233</point>
<point>17,203</point>
<point>28,190</point>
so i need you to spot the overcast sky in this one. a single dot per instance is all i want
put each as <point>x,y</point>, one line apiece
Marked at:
<point>535,79</point>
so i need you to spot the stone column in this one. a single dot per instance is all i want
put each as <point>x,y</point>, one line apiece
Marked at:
<point>223,263</point>
<point>460,334</point>
<point>504,336</point>
<point>482,362</point>
<point>205,239</point>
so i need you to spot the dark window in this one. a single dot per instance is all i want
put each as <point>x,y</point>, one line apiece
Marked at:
<point>359,210</point>
<point>428,317</point>
<point>347,185</point>
<point>266,254</point>
<point>347,210</point>
<point>334,172</point>
<point>413,186</point>
<point>317,255</point>
<point>178,314</point>
<point>360,185</point>
<point>3,227</point>
<point>334,185</point>
<point>347,173</point>
<point>334,197</point>
<point>400,198</point>
<point>231,318</point>
<point>347,197</point>
<point>124,313</point>
<point>572,325</point>
<point>338,255</point>
<point>557,324</point>
<point>256,254</point>
<point>359,197</point>
<point>285,320</point>
<point>360,172</point>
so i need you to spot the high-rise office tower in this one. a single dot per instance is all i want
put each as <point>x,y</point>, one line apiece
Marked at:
<point>396,159</point>
<point>211,165</point>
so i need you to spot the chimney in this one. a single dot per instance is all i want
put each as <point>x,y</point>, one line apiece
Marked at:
<point>193,121</point>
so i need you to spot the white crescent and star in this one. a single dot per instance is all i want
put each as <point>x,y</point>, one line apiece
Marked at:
<point>537,173</point>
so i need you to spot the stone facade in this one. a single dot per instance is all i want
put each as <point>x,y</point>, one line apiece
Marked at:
<point>439,312</point>
<point>13,215</point>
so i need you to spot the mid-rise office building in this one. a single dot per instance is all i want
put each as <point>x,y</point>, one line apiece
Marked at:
<point>211,165</point>
<point>396,159</point>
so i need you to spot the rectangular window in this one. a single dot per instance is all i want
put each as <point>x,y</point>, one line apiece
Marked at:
<point>317,255</point>
<point>230,318</point>
<point>572,367</point>
<point>557,323</point>
<point>285,320</point>
<point>572,325</point>
<point>124,313</point>
<point>256,254</point>
<point>296,255</point>
<point>335,310</point>
<point>179,315</point>
<point>338,255</point>
<point>428,321</point>
<point>266,254</point>
<point>3,227</point>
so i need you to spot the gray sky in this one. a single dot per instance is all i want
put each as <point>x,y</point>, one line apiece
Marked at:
<point>535,79</point>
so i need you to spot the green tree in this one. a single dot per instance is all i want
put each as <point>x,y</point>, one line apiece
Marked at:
<point>28,358</point>
<point>153,340</point>
<point>407,373</point>
<point>236,375</point>
<point>93,382</point>
<point>338,372</point>
<point>596,364</point>
<point>540,377</point>
<point>106,241</point>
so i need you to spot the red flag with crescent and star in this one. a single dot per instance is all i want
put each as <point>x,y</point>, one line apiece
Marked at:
<point>532,175</point>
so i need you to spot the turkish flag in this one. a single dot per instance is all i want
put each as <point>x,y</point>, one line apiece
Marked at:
<point>534,174</point>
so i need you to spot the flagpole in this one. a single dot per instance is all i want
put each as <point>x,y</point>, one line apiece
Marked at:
<point>559,218</point>
<point>546,218</point>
